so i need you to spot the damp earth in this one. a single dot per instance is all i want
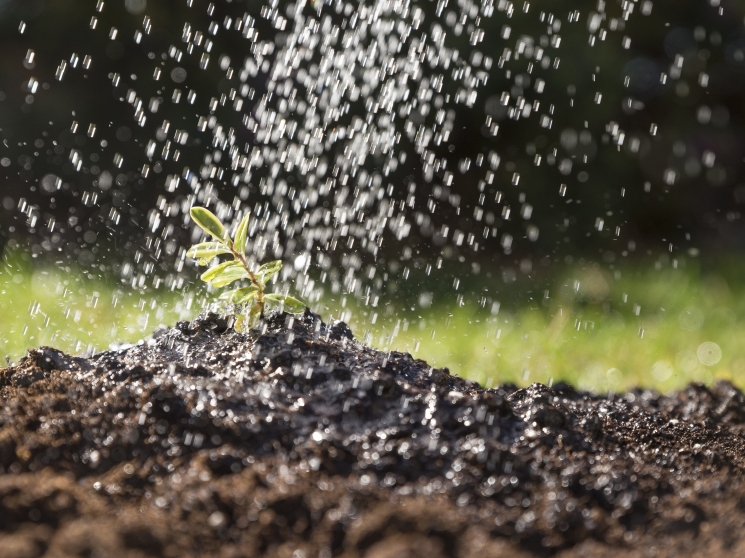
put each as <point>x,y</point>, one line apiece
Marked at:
<point>297,440</point>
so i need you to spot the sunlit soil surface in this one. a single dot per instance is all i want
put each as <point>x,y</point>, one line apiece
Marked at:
<point>295,437</point>
<point>659,329</point>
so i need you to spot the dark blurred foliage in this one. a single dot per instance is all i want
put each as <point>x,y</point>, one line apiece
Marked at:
<point>38,128</point>
<point>681,187</point>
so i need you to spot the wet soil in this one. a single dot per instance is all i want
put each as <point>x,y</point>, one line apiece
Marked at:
<point>297,441</point>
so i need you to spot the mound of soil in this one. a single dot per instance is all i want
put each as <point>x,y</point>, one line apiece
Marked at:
<point>297,441</point>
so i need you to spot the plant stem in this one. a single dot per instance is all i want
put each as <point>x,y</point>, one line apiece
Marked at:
<point>241,258</point>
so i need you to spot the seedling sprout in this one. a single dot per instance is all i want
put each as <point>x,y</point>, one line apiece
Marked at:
<point>253,299</point>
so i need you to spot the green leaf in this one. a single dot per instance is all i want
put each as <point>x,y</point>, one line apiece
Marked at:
<point>241,234</point>
<point>293,305</point>
<point>254,315</point>
<point>289,304</point>
<point>268,270</point>
<point>240,296</point>
<point>208,222</point>
<point>271,267</point>
<point>213,272</point>
<point>229,276</point>
<point>205,251</point>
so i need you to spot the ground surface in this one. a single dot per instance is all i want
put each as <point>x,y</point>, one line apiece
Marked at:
<point>302,442</point>
<point>640,326</point>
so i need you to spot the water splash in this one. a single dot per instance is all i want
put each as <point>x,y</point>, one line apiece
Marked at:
<point>375,142</point>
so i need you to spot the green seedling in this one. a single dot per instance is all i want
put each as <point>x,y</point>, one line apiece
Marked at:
<point>253,298</point>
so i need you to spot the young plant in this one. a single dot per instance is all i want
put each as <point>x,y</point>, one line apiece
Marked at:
<point>252,297</point>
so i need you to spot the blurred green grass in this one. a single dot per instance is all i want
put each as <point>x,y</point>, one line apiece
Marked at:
<point>647,326</point>
<point>78,312</point>
<point>651,328</point>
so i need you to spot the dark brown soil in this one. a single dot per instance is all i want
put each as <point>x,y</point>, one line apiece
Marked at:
<point>301,442</point>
